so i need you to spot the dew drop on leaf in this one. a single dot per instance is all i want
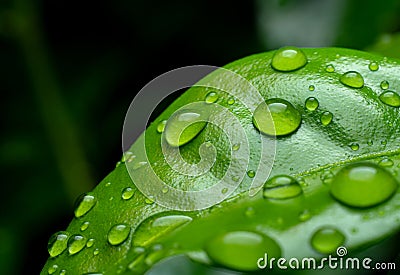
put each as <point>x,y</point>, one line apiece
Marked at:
<point>127,193</point>
<point>363,185</point>
<point>312,103</point>
<point>84,204</point>
<point>288,59</point>
<point>386,162</point>
<point>327,239</point>
<point>373,66</point>
<point>329,68</point>
<point>149,200</point>
<point>311,88</point>
<point>76,243</point>
<point>58,243</point>
<point>52,269</point>
<point>211,97</point>
<point>90,243</point>
<point>96,252</point>
<point>281,187</point>
<point>326,118</point>
<point>84,226</point>
<point>354,146</point>
<point>384,85</point>
<point>231,101</point>
<point>305,215</point>
<point>236,147</point>
<point>276,117</point>
<point>161,126</point>
<point>118,234</point>
<point>240,250</point>
<point>352,79</point>
<point>251,173</point>
<point>390,98</point>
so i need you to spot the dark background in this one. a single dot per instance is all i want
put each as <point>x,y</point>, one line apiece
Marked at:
<point>69,70</point>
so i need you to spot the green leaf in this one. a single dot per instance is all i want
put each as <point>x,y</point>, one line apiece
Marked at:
<point>349,127</point>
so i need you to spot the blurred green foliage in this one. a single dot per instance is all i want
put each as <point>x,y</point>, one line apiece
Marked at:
<point>69,70</point>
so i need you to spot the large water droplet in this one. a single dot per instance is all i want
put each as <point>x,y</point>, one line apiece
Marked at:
<point>327,239</point>
<point>312,103</point>
<point>84,204</point>
<point>384,85</point>
<point>118,234</point>
<point>211,97</point>
<point>161,126</point>
<point>326,118</point>
<point>363,185</point>
<point>183,126</point>
<point>127,193</point>
<point>52,269</point>
<point>373,66</point>
<point>76,243</point>
<point>390,98</point>
<point>151,229</point>
<point>288,59</point>
<point>240,250</point>
<point>276,117</point>
<point>352,79</point>
<point>58,243</point>
<point>282,187</point>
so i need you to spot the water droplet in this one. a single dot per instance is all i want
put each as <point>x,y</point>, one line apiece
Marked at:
<point>224,190</point>
<point>235,178</point>
<point>251,173</point>
<point>386,162</point>
<point>231,101</point>
<point>76,243</point>
<point>327,177</point>
<point>390,98</point>
<point>363,185</point>
<point>84,204</point>
<point>311,88</point>
<point>327,239</point>
<point>352,79</point>
<point>276,117</point>
<point>236,147</point>
<point>288,59</point>
<point>250,212</point>
<point>329,68</point>
<point>312,103</point>
<point>127,193</point>
<point>305,215</point>
<point>58,243</point>
<point>151,229</point>
<point>211,97</point>
<point>240,250</point>
<point>108,184</point>
<point>282,187</point>
<point>373,66</point>
<point>326,118</point>
<point>84,226</point>
<point>161,126</point>
<point>165,190</point>
<point>63,272</point>
<point>96,252</point>
<point>149,200</point>
<point>183,126</point>
<point>118,234</point>
<point>90,243</point>
<point>384,85</point>
<point>52,269</point>
<point>354,146</point>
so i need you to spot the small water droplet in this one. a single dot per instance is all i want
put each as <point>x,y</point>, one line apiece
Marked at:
<point>84,226</point>
<point>240,250</point>
<point>90,243</point>
<point>231,101</point>
<point>352,79</point>
<point>184,126</point>
<point>276,117</point>
<point>354,146</point>
<point>165,190</point>
<point>161,126</point>
<point>326,118</point>
<point>76,243</point>
<point>224,190</point>
<point>329,68</point>
<point>63,272</point>
<point>250,212</point>
<point>305,215</point>
<point>373,66</point>
<point>236,147</point>
<point>58,243</point>
<point>84,204</point>
<point>127,193</point>
<point>282,187</point>
<point>327,177</point>
<point>96,252</point>
<point>370,142</point>
<point>211,97</point>
<point>312,103</point>
<point>52,269</point>
<point>152,228</point>
<point>288,59</point>
<point>327,239</point>
<point>311,88</point>
<point>118,234</point>
<point>384,85</point>
<point>363,185</point>
<point>251,173</point>
<point>390,98</point>
<point>386,162</point>
<point>149,200</point>
<point>108,184</point>
<point>235,178</point>
<point>117,164</point>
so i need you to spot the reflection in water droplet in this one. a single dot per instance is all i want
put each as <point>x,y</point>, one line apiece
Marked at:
<point>363,185</point>
<point>384,85</point>
<point>390,98</point>
<point>161,126</point>
<point>327,239</point>
<point>211,97</point>
<point>127,193</point>
<point>352,79</point>
<point>276,117</point>
<point>76,243</point>
<point>84,204</point>
<point>118,234</point>
<point>58,243</point>
<point>326,118</point>
<point>373,66</point>
<point>288,59</point>
<point>329,68</point>
<point>312,103</point>
<point>282,187</point>
<point>240,250</point>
